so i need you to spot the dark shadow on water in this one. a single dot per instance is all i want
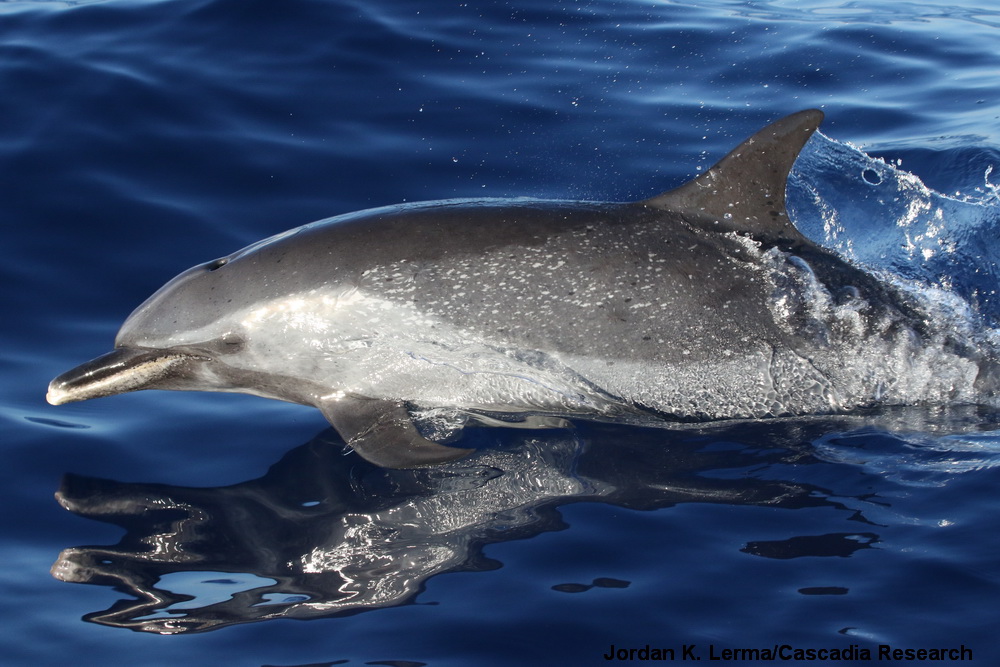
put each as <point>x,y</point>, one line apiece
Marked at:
<point>326,533</point>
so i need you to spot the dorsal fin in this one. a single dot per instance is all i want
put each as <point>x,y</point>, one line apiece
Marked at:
<point>745,191</point>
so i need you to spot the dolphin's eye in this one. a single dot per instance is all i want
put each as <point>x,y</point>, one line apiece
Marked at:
<point>228,343</point>
<point>231,343</point>
<point>219,263</point>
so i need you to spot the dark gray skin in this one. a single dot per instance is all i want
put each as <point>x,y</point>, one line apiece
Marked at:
<point>702,303</point>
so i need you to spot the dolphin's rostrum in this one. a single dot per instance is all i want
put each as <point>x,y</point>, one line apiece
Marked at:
<point>704,302</point>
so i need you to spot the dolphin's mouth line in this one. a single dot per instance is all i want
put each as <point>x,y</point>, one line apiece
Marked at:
<point>120,371</point>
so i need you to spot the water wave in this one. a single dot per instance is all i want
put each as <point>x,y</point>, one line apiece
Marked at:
<point>886,218</point>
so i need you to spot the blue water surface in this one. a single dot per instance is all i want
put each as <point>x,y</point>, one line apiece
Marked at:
<point>138,138</point>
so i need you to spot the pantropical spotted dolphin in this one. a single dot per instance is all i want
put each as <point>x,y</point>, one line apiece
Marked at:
<point>704,302</point>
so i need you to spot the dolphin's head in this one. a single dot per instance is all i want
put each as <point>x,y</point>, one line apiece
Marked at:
<point>178,338</point>
<point>226,325</point>
<point>194,314</point>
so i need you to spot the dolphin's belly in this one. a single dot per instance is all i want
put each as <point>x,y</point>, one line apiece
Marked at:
<point>389,350</point>
<point>471,376</point>
<point>759,382</point>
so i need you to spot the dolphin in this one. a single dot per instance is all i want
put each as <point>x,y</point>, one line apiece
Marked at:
<point>404,323</point>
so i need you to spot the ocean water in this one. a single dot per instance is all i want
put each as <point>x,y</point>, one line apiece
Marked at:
<point>138,138</point>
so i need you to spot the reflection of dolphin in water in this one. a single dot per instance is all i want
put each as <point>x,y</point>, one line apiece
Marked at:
<point>322,533</point>
<point>702,303</point>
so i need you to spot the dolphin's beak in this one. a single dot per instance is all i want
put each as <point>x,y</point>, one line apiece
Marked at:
<point>125,369</point>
